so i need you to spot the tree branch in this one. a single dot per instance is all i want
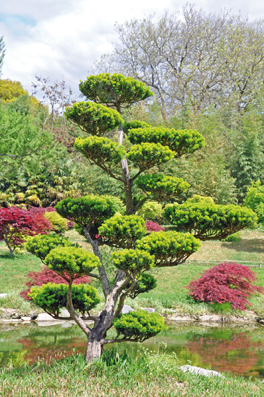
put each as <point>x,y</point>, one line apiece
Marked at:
<point>74,315</point>
<point>102,273</point>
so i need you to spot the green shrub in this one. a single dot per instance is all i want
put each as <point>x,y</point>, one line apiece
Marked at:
<point>53,297</point>
<point>59,224</point>
<point>221,307</point>
<point>41,245</point>
<point>122,231</point>
<point>233,238</point>
<point>180,141</point>
<point>93,118</point>
<point>147,155</point>
<point>133,261</point>
<point>161,187</point>
<point>71,262</point>
<point>145,283</point>
<point>151,210</point>
<point>139,325</point>
<point>129,125</point>
<point>169,248</point>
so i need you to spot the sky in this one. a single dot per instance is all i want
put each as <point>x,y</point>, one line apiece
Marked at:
<point>61,39</point>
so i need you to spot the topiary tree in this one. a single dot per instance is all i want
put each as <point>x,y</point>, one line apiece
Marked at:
<point>104,220</point>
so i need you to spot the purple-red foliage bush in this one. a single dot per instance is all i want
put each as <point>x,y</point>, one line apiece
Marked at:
<point>46,276</point>
<point>16,223</point>
<point>70,224</point>
<point>226,282</point>
<point>41,210</point>
<point>153,227</point>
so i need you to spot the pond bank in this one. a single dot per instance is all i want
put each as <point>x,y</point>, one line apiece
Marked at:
<point>248,317</point>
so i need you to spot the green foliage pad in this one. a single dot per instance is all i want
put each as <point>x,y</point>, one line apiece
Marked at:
<point>53,297</point>
<point>208,221</point>
<point>93,118</point>
<point>139,325</point>
<point>114,90</point>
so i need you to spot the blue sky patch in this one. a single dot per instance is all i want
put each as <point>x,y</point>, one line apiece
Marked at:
<point>12,20</point>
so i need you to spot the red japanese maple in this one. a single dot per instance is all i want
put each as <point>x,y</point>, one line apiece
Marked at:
<point>153,227</point>
<point>46,276</point>
<point>16,223</point>
<point>41,210</point>
<point>226,282</point>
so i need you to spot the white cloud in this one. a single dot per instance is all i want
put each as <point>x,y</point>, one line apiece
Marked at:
<point>58,38</point>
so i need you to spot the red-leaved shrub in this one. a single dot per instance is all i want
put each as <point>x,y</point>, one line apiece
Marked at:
<point>226,282</point>
<point>46,276</point>
<point>41,210</point>
<point>16,223</point>
<point>153,227</point>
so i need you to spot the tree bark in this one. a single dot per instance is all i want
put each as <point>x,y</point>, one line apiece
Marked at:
<point>94,347</point>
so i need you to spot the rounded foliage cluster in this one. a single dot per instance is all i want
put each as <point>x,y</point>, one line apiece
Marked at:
<point>94,118</point>
<point>122,230</point>
<point>114,90</point>
<point>53,297</point>
<point>180,141</point>
<point>161,187</point>
<point>147,155</point>
<point>129,125</point>
<point>89,210</point>
<point>151,210</point>
<point>100,150</point>
<point>226,282</point>
<point>42,245</point>
<point>59,224</point>
<point>145,283</point>
<point>133,261</point>
<point>209,221</point>
<point>139,325</point>
<point>71,262</point>
<point>169,248</point>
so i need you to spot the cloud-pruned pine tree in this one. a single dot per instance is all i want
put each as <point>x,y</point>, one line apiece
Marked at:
<point>105,220</point>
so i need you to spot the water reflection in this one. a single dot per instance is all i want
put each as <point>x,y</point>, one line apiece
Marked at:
<point>237,350</point>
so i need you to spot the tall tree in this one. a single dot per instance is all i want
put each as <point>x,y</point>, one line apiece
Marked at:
<point>192,58</point>
<point>11,90</point>
<point>104,220</point>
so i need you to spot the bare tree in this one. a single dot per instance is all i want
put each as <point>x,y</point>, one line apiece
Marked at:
<point>191,58</point>
<point>56,95</point>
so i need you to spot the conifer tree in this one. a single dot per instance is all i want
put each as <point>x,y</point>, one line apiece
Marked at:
<point>105,220</point>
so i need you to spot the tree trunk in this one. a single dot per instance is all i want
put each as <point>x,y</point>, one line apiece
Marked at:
<point>94,348</point>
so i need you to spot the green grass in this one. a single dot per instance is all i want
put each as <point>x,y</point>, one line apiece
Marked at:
<point>170,292</point>
<point>146,375</point>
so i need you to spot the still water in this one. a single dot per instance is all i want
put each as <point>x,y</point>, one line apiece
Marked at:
<point>239,350</point>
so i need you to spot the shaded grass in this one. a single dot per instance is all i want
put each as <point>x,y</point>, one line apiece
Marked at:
<point>147,375</point>
<point>14,270</point>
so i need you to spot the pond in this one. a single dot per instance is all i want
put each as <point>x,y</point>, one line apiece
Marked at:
<point>239,350</point>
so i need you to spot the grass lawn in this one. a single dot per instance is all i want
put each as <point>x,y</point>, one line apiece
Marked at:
<point>146,375</point>
<point>170,292</point>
